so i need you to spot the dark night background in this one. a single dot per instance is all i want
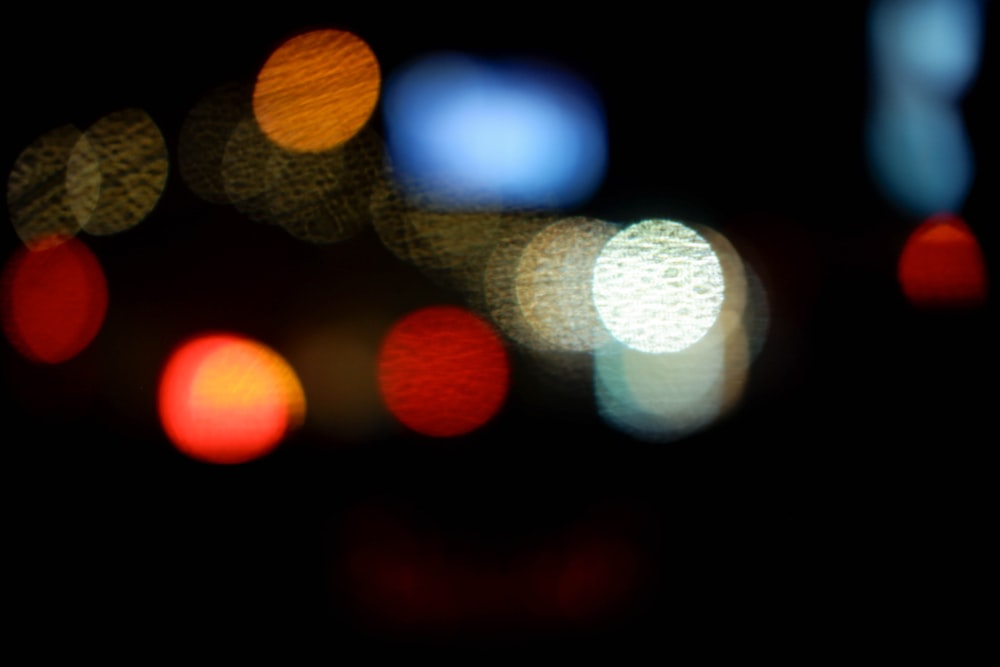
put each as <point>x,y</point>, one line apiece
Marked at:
<point>841,508</point>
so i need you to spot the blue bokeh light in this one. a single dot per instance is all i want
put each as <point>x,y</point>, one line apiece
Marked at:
<point>515,133</point>
<point>920,153</point>
<point>932,45</point>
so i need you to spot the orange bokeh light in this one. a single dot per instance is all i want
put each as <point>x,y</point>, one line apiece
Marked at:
<point>443,371</point>
<point>317,90</point>
<point>54,300</point>
<point>942,265</point>
<point>227,399</point>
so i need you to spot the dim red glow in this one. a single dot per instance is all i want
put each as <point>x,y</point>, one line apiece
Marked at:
<point>942,265</point>
<point>443,371</point>
<point>228,399</point>
<point>407,579</point>
<point>54,300</point>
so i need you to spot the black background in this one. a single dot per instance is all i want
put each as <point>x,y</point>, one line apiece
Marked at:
<point>840,507</point>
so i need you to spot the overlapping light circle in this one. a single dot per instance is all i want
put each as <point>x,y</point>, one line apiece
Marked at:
<point>104,180</point>
<point>554,283</point>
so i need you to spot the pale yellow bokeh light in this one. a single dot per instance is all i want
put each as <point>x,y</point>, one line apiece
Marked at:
<point>555,277</point>
<point>500,285</point>
<point>117,172</point>
<point>451,247</point>
<point>324,197</point>
<point>204,136</point>
<point>244,169</point>
<point>317,90</point>
<point>734,276</point>
<point>658,286</point>
<point>39,206</point>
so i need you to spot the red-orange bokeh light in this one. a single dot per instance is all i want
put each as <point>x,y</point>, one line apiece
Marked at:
<point>54,300</point>
<point>443,371</point>
<point>942,265</point>
<point>227,399</point>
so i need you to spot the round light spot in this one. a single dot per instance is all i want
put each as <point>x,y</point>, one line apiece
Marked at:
<point>228,399</point>
<point>467,131</point>
<point>54,301</point>
<point>117,172</point>
<point>932,45</point>
<point>942,265</point>
<point>443,371</point>
<point>317,90</point>
<point>658,286</point>
<point>555,278</point>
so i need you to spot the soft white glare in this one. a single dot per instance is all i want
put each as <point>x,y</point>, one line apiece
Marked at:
<point>498,133</point>
<point>658,286</point>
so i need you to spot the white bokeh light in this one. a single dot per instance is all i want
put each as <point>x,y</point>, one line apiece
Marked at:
<point>658,286</point>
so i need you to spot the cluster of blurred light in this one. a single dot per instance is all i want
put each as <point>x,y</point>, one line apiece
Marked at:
<point>942,265</point>
<point>318,196</point>
<point>482,156</point>
<point>669,316</point>
<point>465,131</point>
<point>228,399</point>
<point>403,579</point>
<point>292,149</point>
<point>443,371</point>
<point>924,56</point>
<point>54,300</point>
<point>684,354</point>
<point>104,180</point>
<point>450,247</point>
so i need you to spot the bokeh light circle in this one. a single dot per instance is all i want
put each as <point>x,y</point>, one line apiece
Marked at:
<point>942,265</point>
<point>468,131</point>
<point>443,371</point>
<point>227,399</point>
<point>555,283</point>
<point>117,172</point>
<point>317,90</point>
<point>658,286</point>
<point>40,208</point>
<point>54,300</point>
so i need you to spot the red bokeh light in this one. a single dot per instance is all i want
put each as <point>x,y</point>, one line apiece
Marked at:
<point>54,300</point>
<point>443,371</point>
<point>942,265</point>
<point>228,399</point>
